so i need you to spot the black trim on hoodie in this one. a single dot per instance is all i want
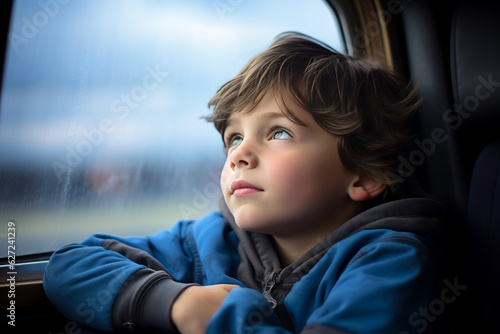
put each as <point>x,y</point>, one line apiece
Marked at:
<point>145,300</point>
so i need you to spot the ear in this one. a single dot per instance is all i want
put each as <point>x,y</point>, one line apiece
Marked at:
<point>363,189</point>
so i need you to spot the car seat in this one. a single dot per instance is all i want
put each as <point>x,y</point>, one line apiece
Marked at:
<point>475,119</point>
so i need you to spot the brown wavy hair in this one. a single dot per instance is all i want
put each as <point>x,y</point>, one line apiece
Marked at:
<point>366,106</point>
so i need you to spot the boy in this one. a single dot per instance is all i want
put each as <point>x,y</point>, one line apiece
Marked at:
<point>308,239</point>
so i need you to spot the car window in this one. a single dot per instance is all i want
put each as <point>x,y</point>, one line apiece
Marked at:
<point>101,127</point>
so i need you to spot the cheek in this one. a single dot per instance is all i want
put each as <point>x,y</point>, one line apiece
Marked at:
<point>310,177</point>
<point>289,175</point>
<point>224,177</point>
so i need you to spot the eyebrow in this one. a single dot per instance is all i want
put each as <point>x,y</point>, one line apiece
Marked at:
<point>272,115</point>
<point>268,116</point>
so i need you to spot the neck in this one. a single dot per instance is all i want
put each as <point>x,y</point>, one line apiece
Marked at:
<point>293,246</point>
<point>290,251</point>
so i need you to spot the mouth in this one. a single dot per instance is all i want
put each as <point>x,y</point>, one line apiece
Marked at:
<point>241,188</point>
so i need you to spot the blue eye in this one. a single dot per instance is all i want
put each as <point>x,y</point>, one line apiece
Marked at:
<point>235,141</point>
<point>281,134</point>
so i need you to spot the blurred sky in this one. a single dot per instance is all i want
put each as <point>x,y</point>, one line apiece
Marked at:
<point>70,66</point>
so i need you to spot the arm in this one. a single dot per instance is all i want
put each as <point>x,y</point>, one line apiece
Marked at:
<point>108,282</point>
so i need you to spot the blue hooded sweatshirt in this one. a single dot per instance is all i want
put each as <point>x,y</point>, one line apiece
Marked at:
<point>380,272</point>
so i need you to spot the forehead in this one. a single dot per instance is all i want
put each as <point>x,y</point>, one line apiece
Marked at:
<point>271,107</point>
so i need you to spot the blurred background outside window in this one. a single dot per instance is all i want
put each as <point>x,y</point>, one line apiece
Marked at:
<point>101,127</point>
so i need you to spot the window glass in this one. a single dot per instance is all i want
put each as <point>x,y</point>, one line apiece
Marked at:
<point>101,127</point>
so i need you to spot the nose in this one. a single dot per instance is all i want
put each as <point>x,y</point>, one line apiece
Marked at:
<point>243,156</point>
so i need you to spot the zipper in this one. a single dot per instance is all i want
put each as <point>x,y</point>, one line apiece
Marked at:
<point>270,283</point>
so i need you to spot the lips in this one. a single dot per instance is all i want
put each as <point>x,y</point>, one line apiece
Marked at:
<point>241,187</point>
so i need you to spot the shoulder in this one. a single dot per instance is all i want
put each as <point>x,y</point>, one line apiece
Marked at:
<point>383,240</point>
<point>211,230</point>
<point>385,244</point>
<point>385,256</point>
<point>415,222</point>
<point>212,223</point>
<point>380,253</point>
<point>186,228</point>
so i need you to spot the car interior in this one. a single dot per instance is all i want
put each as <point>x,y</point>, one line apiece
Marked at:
<point>451,51</point>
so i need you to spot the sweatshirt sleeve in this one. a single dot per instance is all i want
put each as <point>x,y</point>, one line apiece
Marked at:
<point>112,283</point>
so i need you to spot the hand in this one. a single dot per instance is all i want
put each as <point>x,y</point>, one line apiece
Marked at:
<point>194,307</point>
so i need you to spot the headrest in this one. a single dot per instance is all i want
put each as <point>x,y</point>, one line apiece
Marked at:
<point>475,61</point>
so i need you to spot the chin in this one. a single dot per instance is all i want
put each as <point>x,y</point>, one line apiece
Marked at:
<point>254,225</point>
<point>244,225</point>
<point>248,224</point>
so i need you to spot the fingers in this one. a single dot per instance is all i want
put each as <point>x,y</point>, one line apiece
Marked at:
<point>229,287</point>
<point>194,306</point>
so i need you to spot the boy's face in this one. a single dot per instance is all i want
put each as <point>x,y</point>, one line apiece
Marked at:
<point>282,178</point>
